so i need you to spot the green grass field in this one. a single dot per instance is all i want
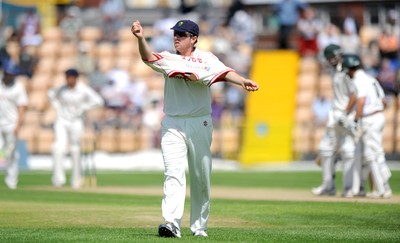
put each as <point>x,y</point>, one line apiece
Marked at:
<point>36,212</point>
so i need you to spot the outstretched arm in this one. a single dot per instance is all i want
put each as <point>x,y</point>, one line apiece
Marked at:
<point>247,84</point>
<point>144,48</point>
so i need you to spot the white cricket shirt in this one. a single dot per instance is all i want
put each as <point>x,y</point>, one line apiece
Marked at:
<point>187,81</point>
<point>368,87</point>
<point>71,103</point>
<point>342,89</point>
<point>11,97</point>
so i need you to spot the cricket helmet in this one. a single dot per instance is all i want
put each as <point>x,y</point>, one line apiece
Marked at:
<point>332,50</point>
<point>351,61</point>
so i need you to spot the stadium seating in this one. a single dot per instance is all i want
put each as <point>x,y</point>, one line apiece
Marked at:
<point>55,55</point>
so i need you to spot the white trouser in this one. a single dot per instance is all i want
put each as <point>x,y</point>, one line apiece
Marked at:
<point>10,156</point>
<point>337,139</point>
<point>360,170</point>
<point>67,132</point>
<point>372,153</point>
<point>187,141</point>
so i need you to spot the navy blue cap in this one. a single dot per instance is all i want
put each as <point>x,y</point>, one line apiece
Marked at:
<point>187,26</point>
<point>72,72</point>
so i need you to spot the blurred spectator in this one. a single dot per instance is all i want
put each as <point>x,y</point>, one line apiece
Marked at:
<point>389,45</point>
<point>29,28</point>
<point>84,62</point>
<point>186,8</point>
<point>115,94</point>
<point>392,26</point>
<point>112,12</point>
<point>97,79</point>
<point>234,101</point>
<point>120,77</point>
<point>321,106</point>
<point>27,61</point>
<point>243,26</point>
<point>350,24</point>
<point>350,41</point>
<point>240,58</point>
<point>309,27</point>
<point>10,52</point>
<point>387,77</point>
<point>288,14</point>
<point>137,92</point>
<point>4,31</point>
<point>152,116</point>
<point>328,35</point>
<point>233,8</point>
<point>115,98</point>
<point>4,55</point>
<point>393,20</point>
<point>163,38</point>
<point>217,108</point>
<point>370,57</point>
<point>71,24</point>
<point>222,41</point>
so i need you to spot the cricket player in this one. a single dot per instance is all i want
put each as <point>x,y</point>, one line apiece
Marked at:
<point>70,101</point>
<point>187,125</point>
<point>13,103</point>
<point>369,105</point>
<point>336,139</point>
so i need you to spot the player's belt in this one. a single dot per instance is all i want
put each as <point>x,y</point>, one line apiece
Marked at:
<point>372,113</point>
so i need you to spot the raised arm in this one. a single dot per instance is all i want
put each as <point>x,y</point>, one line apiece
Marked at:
<point>247,84</point>
<point>144,48</point>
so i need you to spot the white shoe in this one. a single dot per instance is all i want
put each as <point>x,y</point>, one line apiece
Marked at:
<point>11,185</point>
<point>348,194</point>
<point>76,186</point>
<point>169,230</point>
<point>201,233</point>
<point>320,191</point>
<point>374,195</point>
<point>387,194</point>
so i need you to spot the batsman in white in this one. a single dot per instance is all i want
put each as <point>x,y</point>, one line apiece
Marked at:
<point>369,105</point>
<point>13,103</point>
<point>337,139</point>
<point>70,101</point>
<point>187,126</point>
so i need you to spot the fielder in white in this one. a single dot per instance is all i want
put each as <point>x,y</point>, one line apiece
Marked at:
<point>369,105</point>
<point>187,126</point>
<point>337,138</point>
<point>13,103</point>
<point>70,101</point>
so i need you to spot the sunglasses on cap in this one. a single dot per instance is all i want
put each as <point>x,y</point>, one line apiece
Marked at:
<point>182,34</point>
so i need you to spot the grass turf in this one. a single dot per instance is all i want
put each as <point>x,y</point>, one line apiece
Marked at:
<point>71,216</point>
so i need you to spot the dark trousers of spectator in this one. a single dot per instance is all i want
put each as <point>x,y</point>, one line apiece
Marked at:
<point>284,35</point>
